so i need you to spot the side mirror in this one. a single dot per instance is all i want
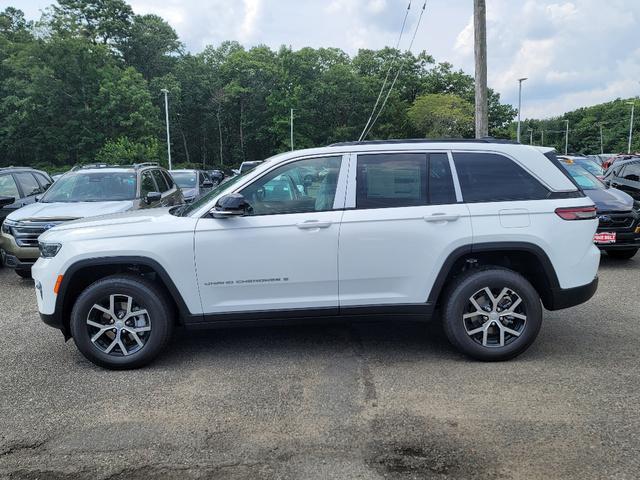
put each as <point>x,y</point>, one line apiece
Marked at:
<point>231,205</point>
<point>152,197</point>
<point>4,201</point>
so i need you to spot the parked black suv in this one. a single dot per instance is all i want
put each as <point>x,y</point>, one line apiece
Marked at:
<point>23,184</point>
<point>618,232</point>
<point>625,176</point>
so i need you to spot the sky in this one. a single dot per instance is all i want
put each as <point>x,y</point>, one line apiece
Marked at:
<point>575,53</point>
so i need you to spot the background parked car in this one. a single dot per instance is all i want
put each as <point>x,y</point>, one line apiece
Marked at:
<point>217,177</point>
<point>194,183</point>
<point>625,176</point>
<point>608,163</point>
<point>589,165</point>
<point>23,185</point>
<point>618,231</point>
<point>84,192</point>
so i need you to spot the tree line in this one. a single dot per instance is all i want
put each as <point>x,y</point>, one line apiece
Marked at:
<point>83,84</point>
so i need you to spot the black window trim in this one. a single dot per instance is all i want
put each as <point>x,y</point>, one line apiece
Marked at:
<point>23,194</point>
<point>152,179</point>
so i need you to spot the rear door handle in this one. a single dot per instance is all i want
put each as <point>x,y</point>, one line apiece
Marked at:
<point>309,224</point>
<point>441,217</point>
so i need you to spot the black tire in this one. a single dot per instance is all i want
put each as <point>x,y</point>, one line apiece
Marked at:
<point>623,254</point>
<point>458,302</point>
<point>24,273</point>
<point>145,296</point>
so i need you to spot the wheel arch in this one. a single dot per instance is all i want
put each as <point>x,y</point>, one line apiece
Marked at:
<point>526,258</point>
<point>85,272</point>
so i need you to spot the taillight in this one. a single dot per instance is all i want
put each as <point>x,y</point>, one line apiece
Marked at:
<point>577,213</point>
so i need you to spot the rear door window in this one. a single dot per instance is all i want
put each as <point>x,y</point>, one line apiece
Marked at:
<point>632,172</point>
<point>403,180</point>
<point>160,181</point>
<point>44,181</point>
<point>28,183</point>
<point>168,179</point>
<point>490,177</point>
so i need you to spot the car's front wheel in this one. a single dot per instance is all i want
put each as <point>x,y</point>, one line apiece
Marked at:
<point>492,314</point>
<point>23,272</point>
<point>120,322</point>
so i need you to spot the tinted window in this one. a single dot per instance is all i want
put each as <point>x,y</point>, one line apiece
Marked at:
<point>489,177</point>
<point>185,179</point>
<point>92,187</point>
<point>391,180</point>
<point>8,187</point>
<point>146,185</point>
<point>303,186</point>
<point>44,181</point>
<point>168,179</point>
<point>440,180</point>
<point>632,172</point>
<point>28,183</point>
<point>160,181</point>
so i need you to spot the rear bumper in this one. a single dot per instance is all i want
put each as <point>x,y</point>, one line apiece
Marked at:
<point>570,297</point>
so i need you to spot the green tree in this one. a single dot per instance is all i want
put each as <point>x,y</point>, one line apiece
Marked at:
<point>123,151</point>
<point>440,115</point>
<point>100,21</point>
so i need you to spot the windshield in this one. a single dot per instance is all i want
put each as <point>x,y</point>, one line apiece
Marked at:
<point>584,179</point>
<point>187,209</point>
<point>92,187</point>
<point>185,179</point>
<point>590,166</point>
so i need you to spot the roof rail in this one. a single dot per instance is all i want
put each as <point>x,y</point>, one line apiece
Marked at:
<point>17,168</point>
<point>146,164</point>
<point>93,165</point>
<point>425,140</point>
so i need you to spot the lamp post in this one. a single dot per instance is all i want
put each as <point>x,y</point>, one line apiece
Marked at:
<point>520,80</point>
<point>601,142</point>
<point>633,106</point>
<point>292,129</point>
<point>530,130</point>
<point>566,138</point>
<point>166,115</point>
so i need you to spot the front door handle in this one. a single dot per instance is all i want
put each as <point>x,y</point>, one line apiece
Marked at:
<point>441,217</point>
<point>310,224</point>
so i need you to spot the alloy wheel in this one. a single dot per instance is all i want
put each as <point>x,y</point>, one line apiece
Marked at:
<point>495,317</point>
<point>118,326</point>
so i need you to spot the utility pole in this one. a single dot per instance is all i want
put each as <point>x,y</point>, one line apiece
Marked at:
<point>542,137</point>
<point>601,143</point>
<point>292,129</point>
<point>530,136</point>
<point>566,138</point>
<point>520,80</point>
<point>166,114</point>
<point>633,106</point>
<point>480,34</point>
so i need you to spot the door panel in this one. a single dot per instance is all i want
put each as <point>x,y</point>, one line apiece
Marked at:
<point>278,257</point>
<point>405,223</point>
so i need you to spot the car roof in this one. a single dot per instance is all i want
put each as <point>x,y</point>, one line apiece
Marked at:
<point>20,169</point>
<point>626,161</point>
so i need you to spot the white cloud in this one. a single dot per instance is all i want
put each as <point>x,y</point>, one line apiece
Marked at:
<point>575,52</point>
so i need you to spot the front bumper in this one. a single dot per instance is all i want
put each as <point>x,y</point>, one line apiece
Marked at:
<point>17,257</point>
<point>624,240</point>
<point>570,297</point>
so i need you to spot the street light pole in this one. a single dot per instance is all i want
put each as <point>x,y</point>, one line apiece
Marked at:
<point>633,106</point>
<point>601,143</point>
<point>542,137</point>
<point>566,139</point>
<point>480,53</point>
<point>292,129</point>
<point>166,114</point>
<point>520,80</point>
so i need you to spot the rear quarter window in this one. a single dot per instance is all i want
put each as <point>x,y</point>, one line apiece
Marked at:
<point>490,177</point>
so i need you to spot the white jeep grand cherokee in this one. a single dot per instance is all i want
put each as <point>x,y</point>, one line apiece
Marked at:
<point>487,232</point>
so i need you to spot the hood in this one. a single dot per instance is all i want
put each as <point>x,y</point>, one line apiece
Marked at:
<point>68,210</point>
<point>610,200</point>
<point>145,222</point>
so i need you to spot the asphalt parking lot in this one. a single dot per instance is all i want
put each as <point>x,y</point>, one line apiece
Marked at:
<point>363,401</point>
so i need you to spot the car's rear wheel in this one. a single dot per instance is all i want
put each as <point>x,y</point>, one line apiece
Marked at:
<point>623,254</point>
<point>121,322</point>
<point>492,314</point>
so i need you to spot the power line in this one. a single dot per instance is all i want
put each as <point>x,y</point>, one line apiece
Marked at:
<point>386,78</point>
<point>424,7</point>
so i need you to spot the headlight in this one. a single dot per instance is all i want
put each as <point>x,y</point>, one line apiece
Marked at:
<point>6,226</point>
<point>49,250</point>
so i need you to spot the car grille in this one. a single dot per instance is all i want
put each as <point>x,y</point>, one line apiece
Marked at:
<point>612,221</point>
<point>26,233</point>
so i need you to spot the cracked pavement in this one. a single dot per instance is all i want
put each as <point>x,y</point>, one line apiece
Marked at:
<point>372,400</point>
